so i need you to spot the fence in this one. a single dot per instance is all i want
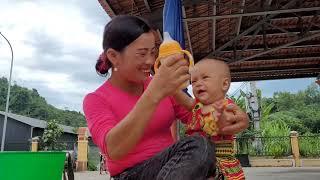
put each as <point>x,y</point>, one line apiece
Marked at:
<point>264,146</point>
<point>93,156</point>
<point>309,146</point>
<point>68,145</point>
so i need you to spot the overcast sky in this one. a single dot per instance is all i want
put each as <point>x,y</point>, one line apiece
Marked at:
<point>56,44</point>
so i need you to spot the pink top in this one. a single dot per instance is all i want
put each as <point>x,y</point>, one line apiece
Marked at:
<point>108,105</point>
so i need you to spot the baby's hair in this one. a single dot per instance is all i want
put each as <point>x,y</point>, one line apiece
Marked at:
<point>225,60</point>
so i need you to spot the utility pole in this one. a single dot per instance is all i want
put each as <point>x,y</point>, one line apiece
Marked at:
<point>253,107</point>
<point>8,97</point>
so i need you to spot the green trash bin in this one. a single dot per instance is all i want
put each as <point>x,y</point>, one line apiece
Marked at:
<point>16,165</point>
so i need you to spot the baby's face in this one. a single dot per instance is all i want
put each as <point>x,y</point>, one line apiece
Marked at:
<point>207,82</point>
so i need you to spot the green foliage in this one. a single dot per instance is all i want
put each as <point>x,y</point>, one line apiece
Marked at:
<point>266,110</point>
<point>92,166</point>
<point>51,134</point>
<point>240,101</point>
<point>182,130</point>
<point>290,119</point>
<point>275,144</point>
<point>281,113</point>
<point>29,103</point>
<point>300,111</point>
<point>309,145</point>
<point>93,157</point>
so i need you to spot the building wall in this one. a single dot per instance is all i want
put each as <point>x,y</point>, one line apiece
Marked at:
<point>37,132</point>
<point>1,127</point>
<point>18,135</point>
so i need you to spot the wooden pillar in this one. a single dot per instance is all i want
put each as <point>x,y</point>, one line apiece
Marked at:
<point>235,145</point>
<point>82,160</point>
<point>295,148</point>
<point>34,144</point>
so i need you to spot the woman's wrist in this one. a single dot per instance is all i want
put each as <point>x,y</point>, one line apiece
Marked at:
<point>153,96</point>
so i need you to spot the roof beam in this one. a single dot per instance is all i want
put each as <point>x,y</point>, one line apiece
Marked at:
<point>274,74</point>
<point>187,29</point>
<point>252,28</point>
<point>294,33</point>
<point>252,39</point>
<point>265,43</point>
<point>280,47</point>
<point>270,63</point>
<point>268,3</point>
<point>261,49</point>
<point>311,23</point>
<point>147,5</point>
<point>214,10</point>
<point>281,29</point>
<point>274,12</point>
<point>106,6</point>
<point>243,2</point>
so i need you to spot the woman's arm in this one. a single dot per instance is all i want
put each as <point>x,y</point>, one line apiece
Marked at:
<point>184,100</point>
<point>126,134</point>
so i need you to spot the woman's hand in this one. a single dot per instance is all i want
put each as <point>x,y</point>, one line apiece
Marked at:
<point>232,120</point>
<point>172,73</point>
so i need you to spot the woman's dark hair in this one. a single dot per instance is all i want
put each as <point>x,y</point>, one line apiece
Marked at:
<point>119,33</point>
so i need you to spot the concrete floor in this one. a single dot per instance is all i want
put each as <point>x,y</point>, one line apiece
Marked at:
<point>254,173</point>
<point>292,173</point>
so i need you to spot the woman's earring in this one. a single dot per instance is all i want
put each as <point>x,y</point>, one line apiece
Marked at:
<point>115,69</point>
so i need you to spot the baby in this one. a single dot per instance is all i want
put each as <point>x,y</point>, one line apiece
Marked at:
<point>210,80</point>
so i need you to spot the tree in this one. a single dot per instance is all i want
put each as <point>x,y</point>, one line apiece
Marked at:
<point>51,134</point>
<point>20,100</point>
<point>312,94</point>
<point>28,102</point>
<point>290,119</point>
<point>3,92</point>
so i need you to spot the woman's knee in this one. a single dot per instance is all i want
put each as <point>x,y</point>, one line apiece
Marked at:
<point>203,149</point>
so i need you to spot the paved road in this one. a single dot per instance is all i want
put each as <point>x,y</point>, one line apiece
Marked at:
<point>90,175</point>
<point>273,173</point>
<point>265,173</point>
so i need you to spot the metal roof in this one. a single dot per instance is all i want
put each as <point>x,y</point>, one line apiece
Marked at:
<point>36,122</point>
<point>266,39</point>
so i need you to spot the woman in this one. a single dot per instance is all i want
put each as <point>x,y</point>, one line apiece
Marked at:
<point>129,116</point>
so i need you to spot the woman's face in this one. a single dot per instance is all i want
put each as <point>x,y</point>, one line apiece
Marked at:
<point>137,59</point>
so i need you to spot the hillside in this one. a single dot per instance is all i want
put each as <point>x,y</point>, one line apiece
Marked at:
<point>24,101</point>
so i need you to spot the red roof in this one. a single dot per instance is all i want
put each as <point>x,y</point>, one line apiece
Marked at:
<point>275,40</point>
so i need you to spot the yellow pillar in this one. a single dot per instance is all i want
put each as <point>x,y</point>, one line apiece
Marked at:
<point>295,148</point>
<point>34,144</point>
<point>82,160</point>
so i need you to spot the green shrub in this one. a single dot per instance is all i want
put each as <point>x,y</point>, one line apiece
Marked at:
<point>309,145</point>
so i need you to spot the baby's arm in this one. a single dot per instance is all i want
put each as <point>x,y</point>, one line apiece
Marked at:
<point>184,100</point>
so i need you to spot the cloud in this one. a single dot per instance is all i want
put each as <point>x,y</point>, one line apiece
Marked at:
<point>56,44</point>
<point>44,43</point>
